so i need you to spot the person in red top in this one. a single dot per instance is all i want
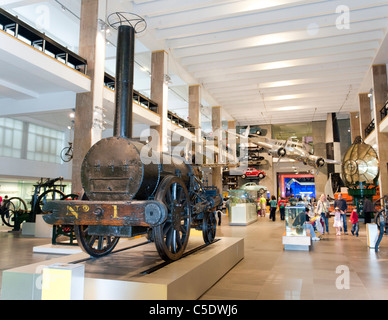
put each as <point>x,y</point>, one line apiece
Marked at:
<point>354,221</point>
<point>282,207</point>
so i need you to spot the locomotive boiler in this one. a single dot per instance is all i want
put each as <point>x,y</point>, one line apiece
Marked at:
<point>129,191</point>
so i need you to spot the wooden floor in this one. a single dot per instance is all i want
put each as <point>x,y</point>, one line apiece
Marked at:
<point>337,267</point>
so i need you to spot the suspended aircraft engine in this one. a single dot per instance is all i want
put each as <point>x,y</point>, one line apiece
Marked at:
<point>281,152</point>
<point>320,162</point>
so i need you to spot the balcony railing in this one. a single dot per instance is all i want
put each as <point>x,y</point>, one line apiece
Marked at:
<point>370,128</point>
<point>21,30</point>
<point>109,81</point>
<point>384,110</point>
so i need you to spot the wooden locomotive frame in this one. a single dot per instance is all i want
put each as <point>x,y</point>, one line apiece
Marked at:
<point>128,196</point>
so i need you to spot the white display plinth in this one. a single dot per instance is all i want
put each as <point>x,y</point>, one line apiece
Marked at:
<point>187,278</point>
<point>62,281</point>
<point>371,234</point>
<point>42,229</point>
<point>298,243</point>
<point>243,214</point>
<point>57,249</point>
<point>28,228</point>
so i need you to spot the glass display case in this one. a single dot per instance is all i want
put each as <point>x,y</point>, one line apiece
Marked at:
<point>295,218</point>
<point>242,207</point>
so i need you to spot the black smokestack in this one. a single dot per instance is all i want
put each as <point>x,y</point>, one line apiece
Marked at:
<point>125,60</point>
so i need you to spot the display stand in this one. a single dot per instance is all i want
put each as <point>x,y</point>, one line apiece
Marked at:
<point>111,277</point>
<point>372,234</point>
<point>242,207</point>
<point>242,214</point>
<point>296,237</point>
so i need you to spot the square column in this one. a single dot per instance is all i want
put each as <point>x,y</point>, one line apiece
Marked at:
<point>88,119</point>
<point>217,134</point>
<point>365,113</point>
<point>195,120</point>
<point>355,129</point>
<point>380,90</point>
<point>159,94</point>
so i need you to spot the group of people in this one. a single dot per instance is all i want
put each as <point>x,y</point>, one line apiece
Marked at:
<point>322,209</point>
<point>274,204</point>
<point>340,209</point>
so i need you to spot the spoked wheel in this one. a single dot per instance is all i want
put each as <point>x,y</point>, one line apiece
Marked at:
<point>67,154</point>
<point>172,236</point>
<point>48,195</point>
<point>9,209</point>
<point>96,246</point>
<point>209,227</point>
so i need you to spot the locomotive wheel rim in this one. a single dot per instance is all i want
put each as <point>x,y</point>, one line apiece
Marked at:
<point>209,227</point>
<point>172,236</point>
<point>96,246</point>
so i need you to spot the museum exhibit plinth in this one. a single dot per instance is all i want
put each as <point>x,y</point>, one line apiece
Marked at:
<point>135,271</point>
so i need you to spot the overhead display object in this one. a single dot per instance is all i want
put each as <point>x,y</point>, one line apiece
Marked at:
<point>360,164</point>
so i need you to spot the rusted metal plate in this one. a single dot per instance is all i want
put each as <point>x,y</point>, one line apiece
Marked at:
<point>113,213</point>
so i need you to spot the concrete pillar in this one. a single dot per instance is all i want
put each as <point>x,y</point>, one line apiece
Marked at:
<point>380,90</point>
<point>333,151</point>
<point>270,180</point>
<point>217,134</point>
<point>159,94</point>
<point>319,141</point>
<point>231,142</point>
<point>88,111</point>
<point>195,120</point>
<point>355,129</point>
<point>365,114</point>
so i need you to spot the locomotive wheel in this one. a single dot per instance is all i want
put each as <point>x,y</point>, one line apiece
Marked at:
<point>172,236</point>
<point>96,246</point>
<point>48,195</point>
<point>9,208</point>
<point>209,227</point>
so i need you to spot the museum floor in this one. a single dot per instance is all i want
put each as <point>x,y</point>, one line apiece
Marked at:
<point>267,271</point>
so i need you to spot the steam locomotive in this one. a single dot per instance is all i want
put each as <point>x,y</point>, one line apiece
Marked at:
<point>129,195</point>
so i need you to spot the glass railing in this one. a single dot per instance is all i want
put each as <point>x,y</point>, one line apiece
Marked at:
<point>24,32</point>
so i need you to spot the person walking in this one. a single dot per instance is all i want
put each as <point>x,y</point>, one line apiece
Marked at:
<point>354,221</point>
<point>263,206</point>
<point>323,207</point>
<point>337,221</point>
<point>282,207</point>
<point>367,209</point>
<point>342,205</point>
<point>273,204</point>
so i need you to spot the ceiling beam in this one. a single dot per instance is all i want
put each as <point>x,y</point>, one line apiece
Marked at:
<point>188,27</point>
<point>282,37</point>
<point>298,46</point>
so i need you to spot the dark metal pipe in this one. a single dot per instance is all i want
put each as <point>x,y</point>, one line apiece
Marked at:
<point>125,61</point>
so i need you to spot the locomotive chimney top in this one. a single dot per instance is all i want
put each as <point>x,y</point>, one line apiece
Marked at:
<point>127,25</point>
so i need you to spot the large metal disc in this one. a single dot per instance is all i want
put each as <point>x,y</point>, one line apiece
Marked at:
<point>360,164</point>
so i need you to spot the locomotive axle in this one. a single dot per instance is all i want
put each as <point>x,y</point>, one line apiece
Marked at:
<point>117,213</point>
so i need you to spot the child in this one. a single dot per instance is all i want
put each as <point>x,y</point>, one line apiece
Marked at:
<point>337,221</point>
<point>354,221</point>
